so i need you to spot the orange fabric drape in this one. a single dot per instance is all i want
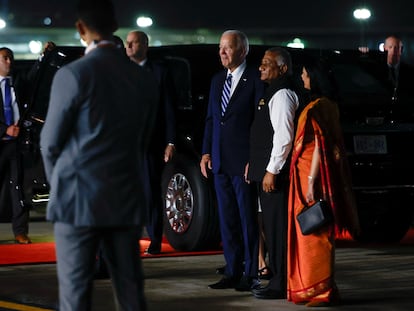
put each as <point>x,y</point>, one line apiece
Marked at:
<point>311,257</point>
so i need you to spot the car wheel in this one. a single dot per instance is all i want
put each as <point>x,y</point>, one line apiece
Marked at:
<point>385,217</point>
<point>190,215</point>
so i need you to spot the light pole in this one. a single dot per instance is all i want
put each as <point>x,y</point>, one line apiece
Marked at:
<point>362,14</point>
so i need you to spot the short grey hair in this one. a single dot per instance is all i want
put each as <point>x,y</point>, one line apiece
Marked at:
<point>242,40</point>
<point>282,58</point>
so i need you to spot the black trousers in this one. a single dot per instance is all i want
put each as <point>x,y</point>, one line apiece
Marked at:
<point>274,211</point>
<point>12,192</point>
<point>156,204</point>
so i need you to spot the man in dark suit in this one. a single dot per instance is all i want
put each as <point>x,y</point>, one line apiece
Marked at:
<point>393,47</point>
<point>93,143</point>
<point>11,108</point>
<point>271,138</point>
<point>234,94</point>
<point>162,143</point>
<point>397,78</point>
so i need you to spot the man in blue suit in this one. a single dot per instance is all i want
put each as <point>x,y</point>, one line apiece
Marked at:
<point>226,152</point>
<point>101,113</point>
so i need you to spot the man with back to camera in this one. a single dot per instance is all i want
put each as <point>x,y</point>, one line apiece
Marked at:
<point>271,138</point>
<point>162,143</point>
<point>234,93</point>
<point>100,116</point>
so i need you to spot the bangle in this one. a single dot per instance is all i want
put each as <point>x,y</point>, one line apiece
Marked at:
<point>310,177</point>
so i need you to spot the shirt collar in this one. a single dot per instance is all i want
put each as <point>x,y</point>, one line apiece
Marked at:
<point>4,77</point>
<point>95,44</point>
<point>238,71</point>
<point>143,62</point>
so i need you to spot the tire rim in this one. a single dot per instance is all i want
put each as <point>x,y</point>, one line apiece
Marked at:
<point>179,203</point>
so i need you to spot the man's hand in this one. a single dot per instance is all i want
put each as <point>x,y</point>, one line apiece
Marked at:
<point>246,172</point>
<point>13,130</point>
<point>49,46</point>
<point>169,152</point>
<point>205,164</point>
<point>269,181</point>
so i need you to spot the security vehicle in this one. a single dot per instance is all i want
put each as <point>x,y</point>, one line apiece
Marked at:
<point>378,126</point>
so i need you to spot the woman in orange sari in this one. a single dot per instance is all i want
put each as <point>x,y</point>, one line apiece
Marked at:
<point>319,170</point>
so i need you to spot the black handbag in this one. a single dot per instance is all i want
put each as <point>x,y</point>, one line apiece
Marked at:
<point>314,217</point>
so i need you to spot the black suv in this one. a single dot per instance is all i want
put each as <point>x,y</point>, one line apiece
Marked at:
<point>378,128</point>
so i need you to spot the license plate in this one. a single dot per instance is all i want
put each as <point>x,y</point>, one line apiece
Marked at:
<point>370,144</point>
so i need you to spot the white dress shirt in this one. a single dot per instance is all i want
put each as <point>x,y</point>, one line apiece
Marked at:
<point>282,107</point>
<point>236,75</point>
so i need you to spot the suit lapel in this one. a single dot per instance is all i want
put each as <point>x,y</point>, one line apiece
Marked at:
<point>237,92</point>
<point>1,107</point>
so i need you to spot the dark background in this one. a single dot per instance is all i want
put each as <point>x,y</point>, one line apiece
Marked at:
<point>319,23</point>
<point>329,15</point>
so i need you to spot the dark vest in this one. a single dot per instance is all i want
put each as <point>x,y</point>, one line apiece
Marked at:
<point>261,134</point>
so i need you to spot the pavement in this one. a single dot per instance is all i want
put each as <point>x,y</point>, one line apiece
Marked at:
<point>369,277</point>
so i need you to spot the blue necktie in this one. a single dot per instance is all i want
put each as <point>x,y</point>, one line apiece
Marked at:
<point>8,110</point>
<point>225,97</point>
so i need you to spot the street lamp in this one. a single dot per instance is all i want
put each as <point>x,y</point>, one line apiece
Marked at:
<point>3,23</point>
<point>144,21</point>
<point>362,14</point>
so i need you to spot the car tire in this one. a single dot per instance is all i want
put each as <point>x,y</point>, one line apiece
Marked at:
<point>190,214</point>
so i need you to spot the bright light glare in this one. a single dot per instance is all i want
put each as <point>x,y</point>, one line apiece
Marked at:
<point>296,43</point>
<point>144,21</point>
<point>35,47</point>
<point>2,23</point>
<point>381,47</point>
<point>362,13</point>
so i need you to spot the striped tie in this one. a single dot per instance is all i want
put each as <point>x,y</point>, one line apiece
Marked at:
<point>225,97</point>
<point>8,110</point>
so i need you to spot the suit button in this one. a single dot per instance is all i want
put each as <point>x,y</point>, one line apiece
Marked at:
<point>221,123</point>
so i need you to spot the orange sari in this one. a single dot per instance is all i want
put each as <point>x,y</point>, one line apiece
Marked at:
<point>310,258</point>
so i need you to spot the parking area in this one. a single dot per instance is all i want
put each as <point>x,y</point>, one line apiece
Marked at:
<point>369,277</point>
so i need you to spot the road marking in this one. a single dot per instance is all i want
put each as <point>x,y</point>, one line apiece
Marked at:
<point>20,307</point>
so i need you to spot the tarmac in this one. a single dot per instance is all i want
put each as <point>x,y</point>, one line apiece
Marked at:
<point>369,277</point>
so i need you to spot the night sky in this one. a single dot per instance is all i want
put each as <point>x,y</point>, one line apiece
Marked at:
<point>320,15</point>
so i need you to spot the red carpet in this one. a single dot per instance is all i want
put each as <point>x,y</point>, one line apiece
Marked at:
<point>40,253</point>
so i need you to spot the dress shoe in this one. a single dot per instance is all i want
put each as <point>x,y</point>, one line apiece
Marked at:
<point>224,283</point>
<point>265,273</point>
<point>220,270</point>
<point>152,250</point>
<point>246,284</point>
<point>268,293</point>
<point>22,239</point>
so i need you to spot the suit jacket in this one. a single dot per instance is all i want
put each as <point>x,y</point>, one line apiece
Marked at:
<point>165,131</point>
<point>403,85</point>
<point>226,138</point>
<point>20,85</point>
<point>101,113</point>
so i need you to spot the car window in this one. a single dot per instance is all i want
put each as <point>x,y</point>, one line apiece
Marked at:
<point>353,79</point>
<point>180,75</point>
<point>48,67</point>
